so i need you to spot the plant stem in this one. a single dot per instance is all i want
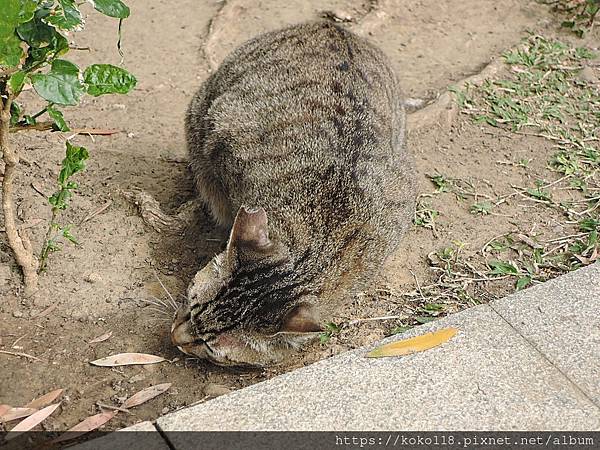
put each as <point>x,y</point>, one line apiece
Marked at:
<point>46,248</point>
<point>19,243</point>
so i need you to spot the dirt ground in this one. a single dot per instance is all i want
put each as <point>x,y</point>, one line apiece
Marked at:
<point>101,285</point>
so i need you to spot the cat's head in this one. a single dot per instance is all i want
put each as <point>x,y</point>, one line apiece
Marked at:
<point>248,306</point>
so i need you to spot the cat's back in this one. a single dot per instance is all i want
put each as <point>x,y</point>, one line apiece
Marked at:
<point>306,122</point>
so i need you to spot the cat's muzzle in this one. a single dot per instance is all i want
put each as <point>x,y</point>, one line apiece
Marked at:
<point>183,339</point>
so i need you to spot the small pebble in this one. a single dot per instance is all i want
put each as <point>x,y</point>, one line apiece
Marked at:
<point>165,410</point>
<point>92,277</point>
<point>18,314</point>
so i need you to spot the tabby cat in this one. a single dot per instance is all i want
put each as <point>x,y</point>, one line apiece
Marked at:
<point>297,145</point>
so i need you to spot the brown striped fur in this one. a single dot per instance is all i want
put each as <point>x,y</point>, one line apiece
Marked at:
<point>306,127</point>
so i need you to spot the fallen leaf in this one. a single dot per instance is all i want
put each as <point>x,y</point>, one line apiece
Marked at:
<point>127,359</point>
<point>101,338</point>
<point>46,311</point>
<point>16,413</point>
<point>145,394</point>
<point>44,399</point>
<point>413,345</point>
<point>32,421</point>
<point>4,409</point>
<point>86,425</point>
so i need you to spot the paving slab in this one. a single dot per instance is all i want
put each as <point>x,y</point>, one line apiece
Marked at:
<point>561,318</point>
<point>143,435</point>
<point>488,377</point>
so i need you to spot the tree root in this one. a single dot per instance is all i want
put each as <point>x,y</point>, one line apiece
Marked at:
<point>17,239</point>
<point>153,215</point>
<point>444,110</point>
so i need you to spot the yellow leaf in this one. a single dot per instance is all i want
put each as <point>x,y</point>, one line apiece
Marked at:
<point>414,345</point>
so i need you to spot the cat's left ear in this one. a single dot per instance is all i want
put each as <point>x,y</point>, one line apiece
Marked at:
<point>250,230</point>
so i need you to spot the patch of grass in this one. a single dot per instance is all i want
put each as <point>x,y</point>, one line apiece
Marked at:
<point>425,215</point>
<point>579,14</point>
<point>331,329</point>
<point>483,208</point>
<point>543,96</point>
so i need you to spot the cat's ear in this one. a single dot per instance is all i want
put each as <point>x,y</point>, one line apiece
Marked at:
<point>303,318</point>
<point>250,229</point>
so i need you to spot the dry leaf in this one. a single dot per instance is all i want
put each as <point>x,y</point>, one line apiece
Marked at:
<point>32,421</point>
<point>4,409</point>
<point>127,359</point>
<point>44,399</point>
<point>16,413</point>
<point>101,338</point>
<point>413,345</point>
<point>146,394</point>
<point>86,425</point>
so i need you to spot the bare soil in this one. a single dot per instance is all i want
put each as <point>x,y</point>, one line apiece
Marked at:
<point>101,284</point>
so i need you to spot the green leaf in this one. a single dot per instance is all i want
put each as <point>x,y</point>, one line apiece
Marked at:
<point>66,16</point>
<point>112,8</point>
<point>589,224</point>
<point>399,329</point>
<point>108,79</point>
<point>424,319</point>
<point>74,162</point>
<point>10,50</point>
<point>66,232</point>
<point>37,33</point>
<point>58,119</point>
<point>433,307</point>
<point>482,208</point>
<point>61,85</point>
<point>16,81</point>
<point>29,120</point>
<point>523,282</point>
<point>324,338</point>
<point>15,113</point>
<point>14,12</point>
<point>503,268</point>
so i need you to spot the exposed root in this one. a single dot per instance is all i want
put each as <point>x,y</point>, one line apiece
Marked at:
<point>17,239</point>
<point>444,110</point>
<point>217,28</point>
<point>153,215</point>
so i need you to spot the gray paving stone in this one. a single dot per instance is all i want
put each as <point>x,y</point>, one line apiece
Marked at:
<point>487,377</point>
<point>561,318</point>
<point>143,435</point>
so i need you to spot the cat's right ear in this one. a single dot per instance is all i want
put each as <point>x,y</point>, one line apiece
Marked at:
<point>250,230</point>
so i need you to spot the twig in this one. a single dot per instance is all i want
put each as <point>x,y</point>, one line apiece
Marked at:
<point>15,343</point>
<point>115,408</point>
<point>98,211</point>
<point>45,312</point>
<point>372,319</point>
<point>6,352</point>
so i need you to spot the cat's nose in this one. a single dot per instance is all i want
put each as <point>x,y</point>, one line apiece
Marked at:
<point>180,330</point>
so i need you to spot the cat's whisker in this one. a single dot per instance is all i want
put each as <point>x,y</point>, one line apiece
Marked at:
<point>166,303</point>
<point>165,289</point>
<point>160,311</point>
<point>157,303</point>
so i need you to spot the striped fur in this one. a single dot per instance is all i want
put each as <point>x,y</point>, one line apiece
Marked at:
<point>307,123</point>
